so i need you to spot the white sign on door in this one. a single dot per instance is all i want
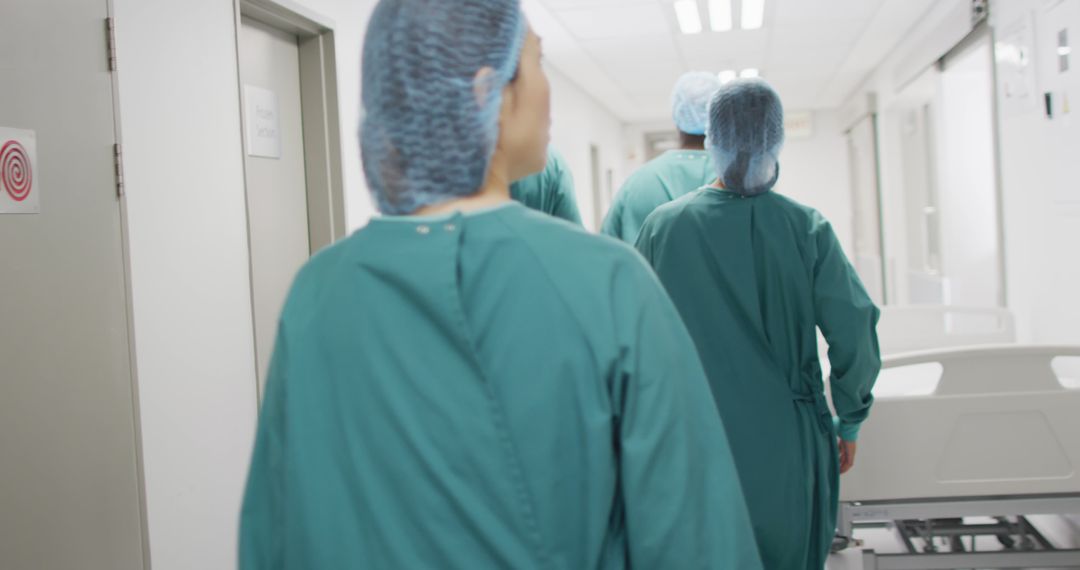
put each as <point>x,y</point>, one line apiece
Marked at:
<point>263,124</point>
<point>20,190</point>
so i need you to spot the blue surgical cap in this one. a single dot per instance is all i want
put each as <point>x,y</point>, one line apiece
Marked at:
<point>746,132</point>
<point>690,101</point>
<point>430,122</point>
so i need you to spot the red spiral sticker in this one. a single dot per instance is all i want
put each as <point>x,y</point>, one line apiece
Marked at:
<point>16,175</point>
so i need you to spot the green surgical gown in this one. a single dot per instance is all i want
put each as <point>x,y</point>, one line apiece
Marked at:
<point>663,179</point>
<point>752,278</point>
<point>550,191</point>
<point>494,390</point>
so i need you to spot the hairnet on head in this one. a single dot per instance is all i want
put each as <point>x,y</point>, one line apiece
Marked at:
<point>430,123</point>
<point>746,132</point>
<point>690,101</point>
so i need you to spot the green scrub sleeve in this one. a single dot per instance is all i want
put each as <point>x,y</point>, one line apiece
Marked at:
<point>848,319</point>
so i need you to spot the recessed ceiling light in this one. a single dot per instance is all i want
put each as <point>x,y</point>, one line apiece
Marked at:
<point>753,14</point>
<point>720,15</point>
<point>749,72</point>
<point>686,11</point>
<point>727,75</point>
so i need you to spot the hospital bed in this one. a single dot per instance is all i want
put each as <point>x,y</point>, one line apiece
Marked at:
<point>986,431</point>
<point>933,327</point>
<point>911,328</point>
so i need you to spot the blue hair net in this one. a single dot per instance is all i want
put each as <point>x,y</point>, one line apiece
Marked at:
<point>690,101</point>
<point>430,123</point>
<point>746,132</point>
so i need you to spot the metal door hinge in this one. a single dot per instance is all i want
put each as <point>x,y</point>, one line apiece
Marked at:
<point>980,11</point>
<point>110,31</point>
<point>118,158</point>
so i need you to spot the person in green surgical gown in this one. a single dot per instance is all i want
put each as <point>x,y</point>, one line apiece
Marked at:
<point>550,191</point>
<point>469,384</point>
<point>673,173</point>
<point>753,273</point>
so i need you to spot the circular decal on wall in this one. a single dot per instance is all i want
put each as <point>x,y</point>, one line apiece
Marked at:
<point>16,175</point>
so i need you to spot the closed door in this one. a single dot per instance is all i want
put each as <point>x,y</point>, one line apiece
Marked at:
<point>922,210</point>
<point>971,239</point>
<point>69,492</point>
<point>866,205</point>
<point>276,186</point>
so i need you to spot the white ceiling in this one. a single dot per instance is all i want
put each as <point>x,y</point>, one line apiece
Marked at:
<point>628,53</point>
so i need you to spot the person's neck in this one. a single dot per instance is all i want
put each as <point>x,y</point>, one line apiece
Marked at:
<point>494,192</point>
<point>691,142</point>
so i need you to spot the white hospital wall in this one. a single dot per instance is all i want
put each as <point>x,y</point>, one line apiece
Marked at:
<point>815,171</point>
<point>1040,170</point>
<point>578,122</point>
<point>195,362</point>
<point>189,271</point>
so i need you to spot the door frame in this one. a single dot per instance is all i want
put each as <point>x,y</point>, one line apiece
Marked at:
<point>125,255</point>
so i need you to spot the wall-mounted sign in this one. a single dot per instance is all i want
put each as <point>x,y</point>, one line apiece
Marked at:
<point>798,125</point>
<point>263,124</point>
<point>20,189</point>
